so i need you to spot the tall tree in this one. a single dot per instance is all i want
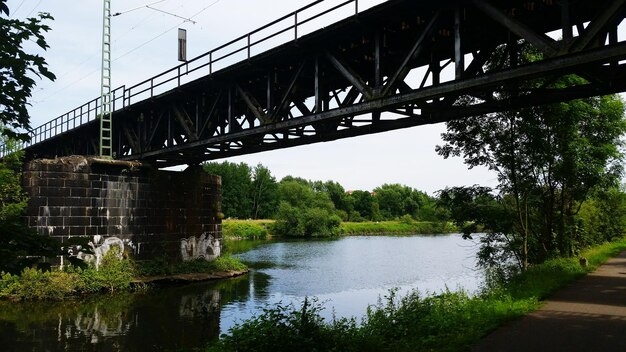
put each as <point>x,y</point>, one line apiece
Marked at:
<point>17,68</point>
<point>264,193</point>
<point>236,188</point>
<point>548,159</point>
<point>396,200</point>
<point>364,204</point>
<point>337,194</point>
<point>19,246</point>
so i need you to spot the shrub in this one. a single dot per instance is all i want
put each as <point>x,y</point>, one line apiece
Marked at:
<point>244,229</point>
<point>228,263</point>
<point>287,328</point>
<point>114,274</point>
<point>305,222</point>
<point>37,284</point>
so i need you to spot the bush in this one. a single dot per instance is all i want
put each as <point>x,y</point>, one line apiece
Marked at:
<point>287,328</point>
<point>37,284</point>
<point>20,247</point>
<point>227,263</point>
<point>242,229</point>
<point>114,274</point>
<point>305,222</point>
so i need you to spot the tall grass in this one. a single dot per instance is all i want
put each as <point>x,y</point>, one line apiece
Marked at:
<point>245,229</point>
<point>396,228</point>
<point>449,321</point>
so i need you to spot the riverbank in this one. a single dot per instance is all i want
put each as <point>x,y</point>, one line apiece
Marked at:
<point>449,321</point>
<point>396,228</point>
<point>262,229</point>
<point>113,275</point>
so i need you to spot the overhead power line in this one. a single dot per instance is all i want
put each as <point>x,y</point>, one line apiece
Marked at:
<point>18,8</point>
<point>129,51</point>
<point>138,8</point>
<point>34,8</point>
<point>171,14</point>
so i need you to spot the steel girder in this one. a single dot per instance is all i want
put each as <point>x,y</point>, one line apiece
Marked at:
<point>401,64</point>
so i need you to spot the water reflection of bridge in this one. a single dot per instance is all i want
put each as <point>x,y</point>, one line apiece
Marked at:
<point>400,64</point>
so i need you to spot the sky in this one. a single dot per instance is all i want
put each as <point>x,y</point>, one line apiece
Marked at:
<point>145,44</point>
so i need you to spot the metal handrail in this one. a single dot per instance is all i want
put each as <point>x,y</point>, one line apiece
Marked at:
<point>89,111</point>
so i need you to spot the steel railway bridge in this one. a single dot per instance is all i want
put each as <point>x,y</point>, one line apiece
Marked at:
<point>402,63</point>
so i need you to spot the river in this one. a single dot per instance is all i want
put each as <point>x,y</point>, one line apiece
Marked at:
<point>346,275</point>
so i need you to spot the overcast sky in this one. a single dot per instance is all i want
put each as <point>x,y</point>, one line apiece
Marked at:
<point>144,44</point>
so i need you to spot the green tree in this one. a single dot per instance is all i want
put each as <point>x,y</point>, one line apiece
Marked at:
<point>16,68</point>
<point>303,211</point>
<point>336,193</point>
<point>548,159</point>
<point>264,193</point>
<point>20,246</point>
<point>364,205</point>
<point>603,217</point>
<point>236,188</point>
<point>397,200</point>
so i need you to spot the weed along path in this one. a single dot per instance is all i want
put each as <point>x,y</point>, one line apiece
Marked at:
<point>587,315</point>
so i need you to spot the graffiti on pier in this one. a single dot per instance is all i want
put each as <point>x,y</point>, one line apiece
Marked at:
<point>205,246</point>
<point>98,248</point>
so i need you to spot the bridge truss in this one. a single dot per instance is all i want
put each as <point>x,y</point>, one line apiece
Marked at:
<point>400,64</point>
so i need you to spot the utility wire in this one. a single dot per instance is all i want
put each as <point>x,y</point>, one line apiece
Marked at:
<point>171,14</point>
<point>34,8</point>
<point>165,32</point>
<point>18,8</point>
<point>132,50</point>
<point>138,7</point>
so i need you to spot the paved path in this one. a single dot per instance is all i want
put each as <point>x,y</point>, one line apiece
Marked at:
<point>588,315</point>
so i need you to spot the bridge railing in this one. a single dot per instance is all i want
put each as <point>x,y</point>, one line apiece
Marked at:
<point>290,27</point>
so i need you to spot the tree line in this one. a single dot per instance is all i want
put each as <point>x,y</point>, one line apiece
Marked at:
<point>313,208</point>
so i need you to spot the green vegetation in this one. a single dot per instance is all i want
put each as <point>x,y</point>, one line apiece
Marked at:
<point>246,192</point>
<point>449,321</point>
<point>246,229</point>
<point>113,275</point>
<point>401,227</point>
<point>304,208</point>
<point>17,67</point>
<point>234,230</point>
<point>162,266</point>
<point>550,161</point>
<point>20,247</point>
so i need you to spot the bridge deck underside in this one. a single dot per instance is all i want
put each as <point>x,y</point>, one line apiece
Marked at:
<point>403,63</point>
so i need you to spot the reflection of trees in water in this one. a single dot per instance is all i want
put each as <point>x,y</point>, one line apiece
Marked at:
<point>251,286</point>
<point>181,317</point>
<point>169,318</point>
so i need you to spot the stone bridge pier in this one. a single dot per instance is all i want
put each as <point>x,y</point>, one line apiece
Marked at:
<point>149,213</point>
